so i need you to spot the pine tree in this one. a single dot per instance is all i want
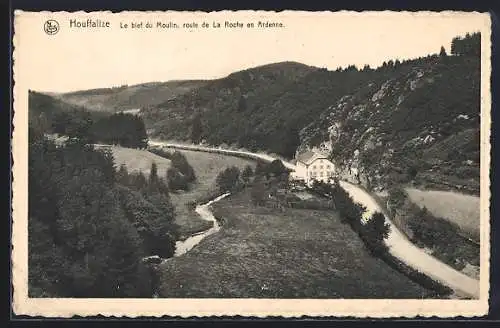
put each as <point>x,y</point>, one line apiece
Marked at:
<point>122,175</point>
<point>247,174</point>
<point>228,179</point>
<point>153,174</point>
<point>442,52</point>
<point>180,162</point>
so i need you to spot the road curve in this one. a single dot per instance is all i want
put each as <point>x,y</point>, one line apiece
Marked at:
<point>399,245</point>
<point>415,257</point>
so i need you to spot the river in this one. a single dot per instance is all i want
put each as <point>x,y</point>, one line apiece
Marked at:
<point>203,210</point>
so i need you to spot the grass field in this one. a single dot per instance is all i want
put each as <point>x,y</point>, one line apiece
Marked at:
<point>265,253</point>
<point>139,160</point>
<point>206,167</point>
<point>455,207</point>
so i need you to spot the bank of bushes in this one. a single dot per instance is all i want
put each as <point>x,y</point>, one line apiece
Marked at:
<point>426,230</point>
<point>372,233</point>
<point>231,179</point>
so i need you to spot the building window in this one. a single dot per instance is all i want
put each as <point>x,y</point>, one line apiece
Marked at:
<point>314,167</point>
<point>321,173</point>
<point>321,167</point>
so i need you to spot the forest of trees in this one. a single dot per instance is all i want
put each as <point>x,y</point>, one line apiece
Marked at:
<point>470,45</point>
<point>127,130</point>
<point>89,227</point>
<point>247,112</point>
<point>50,115</point>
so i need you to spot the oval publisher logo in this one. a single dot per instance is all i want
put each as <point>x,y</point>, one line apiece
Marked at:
<point>51,27</point>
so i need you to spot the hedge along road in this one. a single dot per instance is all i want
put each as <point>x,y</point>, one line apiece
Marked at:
<point>399,246</point>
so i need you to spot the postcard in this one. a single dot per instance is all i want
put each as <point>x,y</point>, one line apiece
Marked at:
<point>251,163</point>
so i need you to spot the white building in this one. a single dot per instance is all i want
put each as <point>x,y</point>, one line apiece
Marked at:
<point>312,166</point>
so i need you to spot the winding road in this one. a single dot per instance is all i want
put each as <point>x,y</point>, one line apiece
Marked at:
<point>399,245</point>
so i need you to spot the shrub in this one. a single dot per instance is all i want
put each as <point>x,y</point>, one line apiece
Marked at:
<point>180,162</point>
<point>160,152</point>
<point>429,229</point>
<point>247,174</point>
<point>260,168</point>
<point>375,231</point>
<point>228,179</point>
<point>176,180</point>
<point>277,169</point>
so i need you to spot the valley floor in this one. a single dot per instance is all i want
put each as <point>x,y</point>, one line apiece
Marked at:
<point>265,253</point>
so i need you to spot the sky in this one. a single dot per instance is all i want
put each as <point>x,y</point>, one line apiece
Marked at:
<point>79,58</point>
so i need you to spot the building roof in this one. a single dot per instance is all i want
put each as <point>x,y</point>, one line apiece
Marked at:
<point>308,157</point>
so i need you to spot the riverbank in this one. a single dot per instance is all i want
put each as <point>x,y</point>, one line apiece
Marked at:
<point>203,210</point>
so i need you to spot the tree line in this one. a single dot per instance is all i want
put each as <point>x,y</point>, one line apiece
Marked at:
<point>89,226</point>
<point>233,179</point>
<point>469,45</point>
<point>373,231</point>
<point>123,129</point>
<point>47,115</point>
<point>273,119</point>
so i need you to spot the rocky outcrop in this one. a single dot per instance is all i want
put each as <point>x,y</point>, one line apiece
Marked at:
<point>386,128</point>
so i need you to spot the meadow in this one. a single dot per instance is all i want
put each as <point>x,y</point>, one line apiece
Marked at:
<point>263,252</point>
<point>137,160</point>
<point>461,209</point>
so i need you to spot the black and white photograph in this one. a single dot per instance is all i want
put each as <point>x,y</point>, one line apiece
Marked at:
<point>251,163</point>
